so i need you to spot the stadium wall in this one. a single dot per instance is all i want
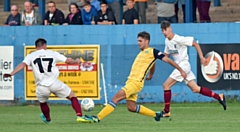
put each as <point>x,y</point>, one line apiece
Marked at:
<point>118,50</point>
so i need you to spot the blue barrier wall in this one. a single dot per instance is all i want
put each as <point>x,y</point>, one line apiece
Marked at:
<point>118,50</point>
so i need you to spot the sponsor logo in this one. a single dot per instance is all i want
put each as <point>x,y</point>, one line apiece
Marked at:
<point>213,71</point>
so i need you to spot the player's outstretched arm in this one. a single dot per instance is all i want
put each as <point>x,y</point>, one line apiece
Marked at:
<point>200,54</point>
<point>16,70</point>
<point>71,61</point>
<point>159,55</point>
<point>152,70</point>
<point>169,61</point>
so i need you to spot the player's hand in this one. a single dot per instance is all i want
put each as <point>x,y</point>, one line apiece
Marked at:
<point>149,77</point>
<point>183,74</point>
<point>212,67</point>
<point>7,75</point>
<point>203,61</point>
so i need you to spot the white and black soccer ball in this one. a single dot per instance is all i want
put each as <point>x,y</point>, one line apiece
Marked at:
<point>87,104</point>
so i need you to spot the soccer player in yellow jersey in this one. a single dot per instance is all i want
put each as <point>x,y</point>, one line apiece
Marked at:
<point>144,61</point>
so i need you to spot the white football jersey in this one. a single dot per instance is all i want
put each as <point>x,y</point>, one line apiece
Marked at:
<point>177,47</point>
<point>43,63</point>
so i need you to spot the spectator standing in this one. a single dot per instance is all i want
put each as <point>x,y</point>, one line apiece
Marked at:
<point>203,10</point>
<point>166,11</point>
<point>88,14</point>
<point>130,16</point>
<point>181,5</point>
<point>14,18</point>
<point>194,10</point>
<point>114,6</point>
<point>30,16</point>
<point>141,6</point>
<point>105,16</point>
<point>75,15</point>
<point>53,16</point>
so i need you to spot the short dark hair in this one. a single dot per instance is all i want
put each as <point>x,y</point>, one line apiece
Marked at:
<point>165,24</point>
<point>40,42</point>
<point>103,2</point>
<point>144,35</point>
<point>87,3</point>
<point>52,2</point>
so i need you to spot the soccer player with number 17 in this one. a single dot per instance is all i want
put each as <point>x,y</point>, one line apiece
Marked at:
<point>43,63</point>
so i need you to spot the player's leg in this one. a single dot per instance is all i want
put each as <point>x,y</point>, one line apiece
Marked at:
<point>129,89</point>
<point>207,92</point>
<point>43,94</point>
<point>167,96</point>
<point>110,107</point>
<point>173,79</point>
<point>63,91</point>
<point>75,103</point>
<point>132,107</point>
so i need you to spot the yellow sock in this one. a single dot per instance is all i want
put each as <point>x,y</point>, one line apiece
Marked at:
<point>145,111</point>
<point>106,110</point>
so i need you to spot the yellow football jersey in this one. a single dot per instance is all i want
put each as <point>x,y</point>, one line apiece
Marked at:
<point>143,63</point>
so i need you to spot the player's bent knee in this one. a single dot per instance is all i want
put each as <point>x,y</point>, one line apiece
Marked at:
<point>166,86</point>
<point>119,96</point>
<point>131,109</point>
<point>72,94</point>
<point>195,91</point>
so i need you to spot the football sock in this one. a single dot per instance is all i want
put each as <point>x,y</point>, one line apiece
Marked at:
<point>209,93</point>
<point>106,110</point>
<point>167,100</point>
<point>145,111</point>
<point>76,106</point>
<point>45,110</point>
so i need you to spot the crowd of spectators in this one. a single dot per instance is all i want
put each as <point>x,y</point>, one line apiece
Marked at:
<point>107,12</point>
<point>89,12</point>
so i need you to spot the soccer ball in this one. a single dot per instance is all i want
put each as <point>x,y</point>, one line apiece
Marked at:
<point>87,104</point>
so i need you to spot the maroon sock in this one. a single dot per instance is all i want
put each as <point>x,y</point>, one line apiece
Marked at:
<point>76,106</point>
<point>45,110</point>
<point>209,93</point>
<point>167,100</point>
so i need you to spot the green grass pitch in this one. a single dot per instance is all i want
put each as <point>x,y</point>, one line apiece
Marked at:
<point>185,117</point>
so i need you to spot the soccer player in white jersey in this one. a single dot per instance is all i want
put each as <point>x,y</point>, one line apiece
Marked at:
<point>43,63</point>
<point>176,46</point>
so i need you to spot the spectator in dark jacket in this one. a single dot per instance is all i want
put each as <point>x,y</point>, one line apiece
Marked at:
<point>105,16</point>
<point>130,16</point>
<point>14,18</point>
<point>88,14</point>
<point>75,15</point>
<point>53,16</point>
